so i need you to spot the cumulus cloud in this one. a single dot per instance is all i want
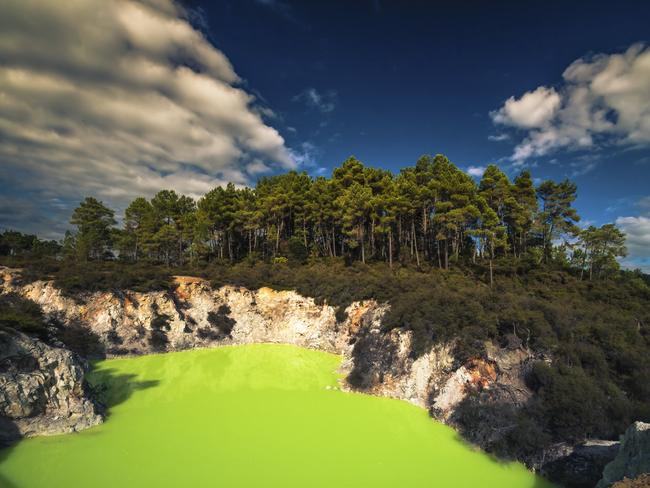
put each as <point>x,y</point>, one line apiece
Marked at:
<point>476,171</point>
<point>118,98</point>
<point>603,98</point>
<point>533,109</point>
<point>637,229</point>
<point>322,101</point>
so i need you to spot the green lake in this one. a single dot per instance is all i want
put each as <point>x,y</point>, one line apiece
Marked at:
<point>251,416</point>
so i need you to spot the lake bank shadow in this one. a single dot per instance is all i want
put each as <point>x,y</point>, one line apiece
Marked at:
<point>9,435</point>
<point>106,388</point>
<point>109,388</point>
<point>538,481</point>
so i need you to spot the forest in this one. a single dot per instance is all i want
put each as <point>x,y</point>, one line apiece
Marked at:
<point>460,261</point>
<point>430,214</point>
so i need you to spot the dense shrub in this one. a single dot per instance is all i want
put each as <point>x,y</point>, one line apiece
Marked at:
<point>597,334</point>
<point>74,278</point>
<point>22,314</point>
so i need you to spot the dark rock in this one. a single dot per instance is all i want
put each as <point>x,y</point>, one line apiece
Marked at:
<point>582,466</point>
<point>633,458</point>
<point>41,389</point>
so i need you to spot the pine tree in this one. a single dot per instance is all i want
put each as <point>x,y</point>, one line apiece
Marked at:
<point>94,223</point>
<point>557,216</point>
<point>601,248</point>
<point>521,212</point>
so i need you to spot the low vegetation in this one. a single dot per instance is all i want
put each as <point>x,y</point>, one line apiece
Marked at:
<point>457,261</point>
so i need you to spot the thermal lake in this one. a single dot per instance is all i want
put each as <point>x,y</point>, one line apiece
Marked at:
<point>251,416</point>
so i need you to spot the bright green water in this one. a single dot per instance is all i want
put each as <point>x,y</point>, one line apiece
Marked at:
<point>251,416</point>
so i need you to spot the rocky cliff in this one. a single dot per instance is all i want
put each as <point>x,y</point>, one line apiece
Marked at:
<point>374,361</point>
<point>195,315</point>
<point>41,389</point>
<point>633,458</point>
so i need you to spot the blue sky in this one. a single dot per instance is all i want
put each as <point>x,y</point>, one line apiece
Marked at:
<point>408,81</point>
<point>236,89</point>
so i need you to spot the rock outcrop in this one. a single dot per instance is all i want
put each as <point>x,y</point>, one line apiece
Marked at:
<point>580,466</point>
<point>374,360</point>
<point>195,315</point>
<point>642,481</point>
<point>633,458</point>
<point>41,389</point>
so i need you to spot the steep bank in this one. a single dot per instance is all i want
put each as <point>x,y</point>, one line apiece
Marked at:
<point>204,417</point>
<point>41,389</point>
<point>195,315</point>
<point>480,397</point>
<point>633,458</point>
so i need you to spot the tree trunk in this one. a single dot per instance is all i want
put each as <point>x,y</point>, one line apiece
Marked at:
<point>363,245</point>
<point>304,232</point>
<point>425,241</point>
<point>491,276</point>
<point>417,255</point>
<point>372,237</point>
<point>446,255</point>
<point>277,237</point>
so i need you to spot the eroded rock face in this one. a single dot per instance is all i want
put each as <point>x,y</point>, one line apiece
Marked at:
<point>480,397</point>
<point>41,389</point>
<point>375,361</point>
<point>581,466</point>
<point>195,315</point>
<point>642,481</point>
<point>633,458</point>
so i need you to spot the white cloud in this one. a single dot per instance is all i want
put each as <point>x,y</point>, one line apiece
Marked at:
<point>603,96</point>
<point>257,167</point>
<point>118,98</point>
<point>476,171</point>
<point>498,137</point>
<point>306,156</point>
<point>583,224</point>
<point>637,230</point>
<point>583,169</point>
<point>533,109</point>
<point>323,101</point>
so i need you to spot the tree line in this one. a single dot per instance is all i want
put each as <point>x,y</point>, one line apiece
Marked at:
<point>431,212</point>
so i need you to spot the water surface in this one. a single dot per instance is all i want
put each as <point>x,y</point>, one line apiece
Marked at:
<point>251,416</point>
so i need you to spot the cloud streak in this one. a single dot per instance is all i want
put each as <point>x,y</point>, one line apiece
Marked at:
<point>325,102</point>
<point>118,98</point>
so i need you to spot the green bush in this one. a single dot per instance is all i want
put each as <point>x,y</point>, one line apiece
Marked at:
<point>22,314</point>
<point>596,333</point>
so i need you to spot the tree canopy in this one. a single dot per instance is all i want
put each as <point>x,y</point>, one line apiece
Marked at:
<point>431,213</point>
